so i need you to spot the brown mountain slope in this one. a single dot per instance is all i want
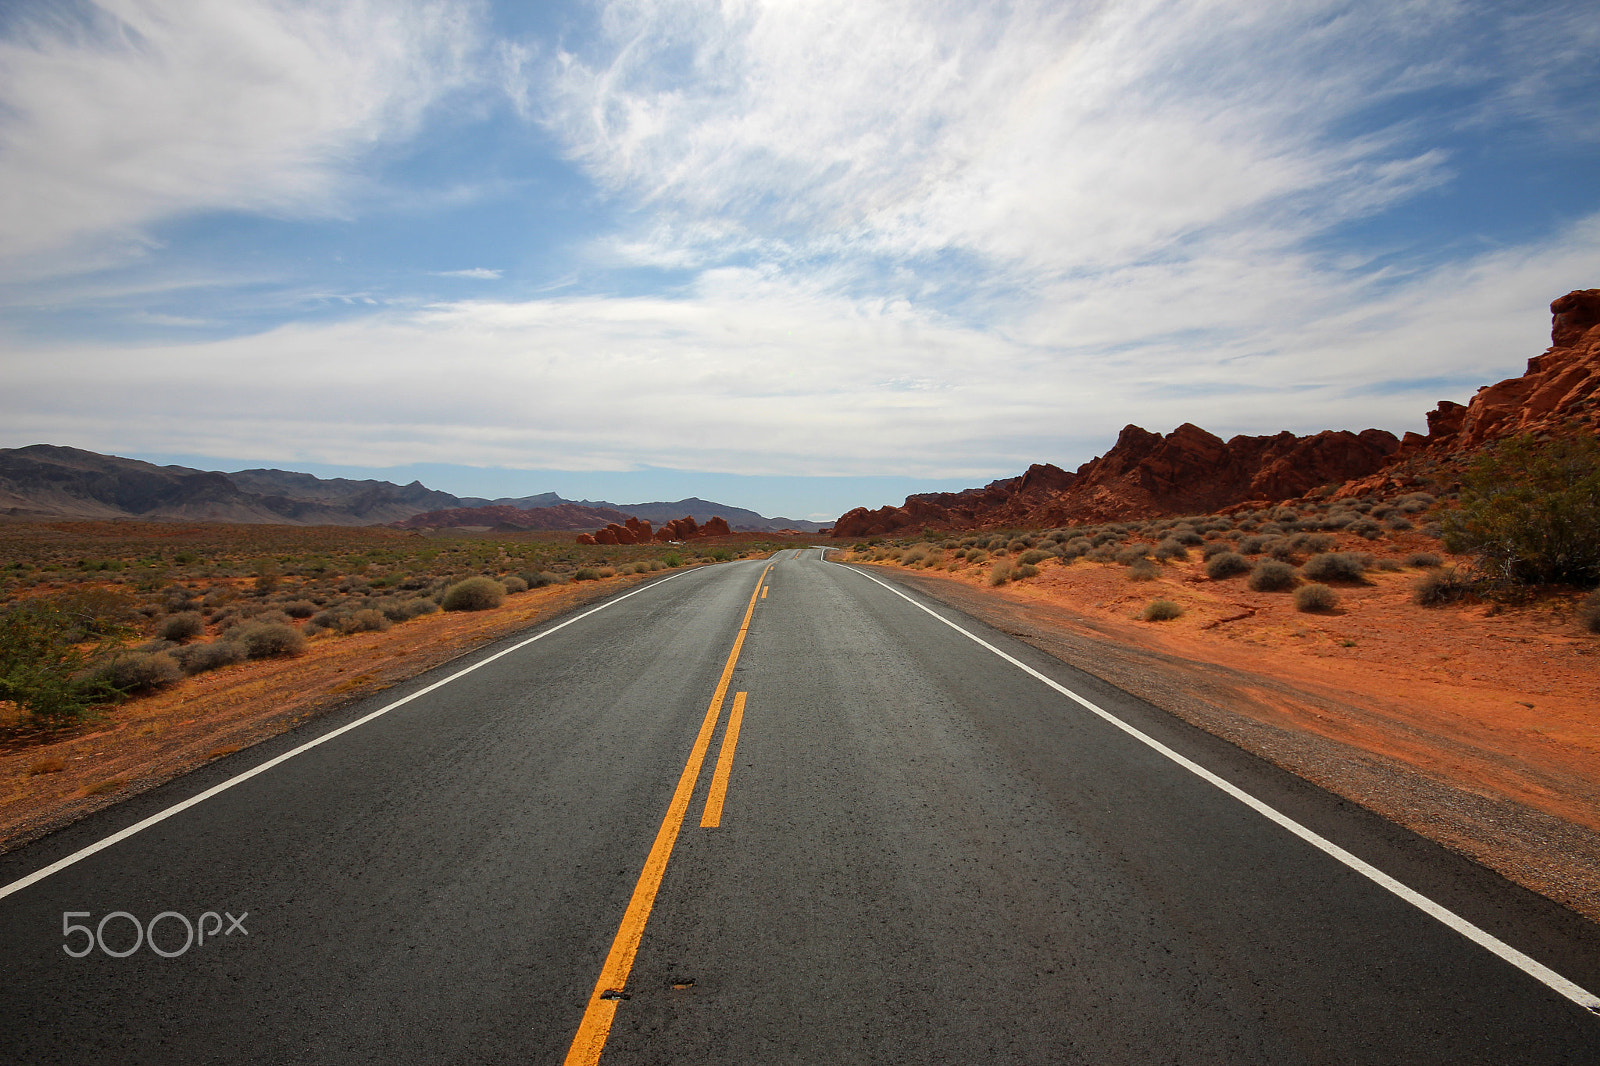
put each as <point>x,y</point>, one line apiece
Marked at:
<point>505,516</point>
<point>1190,471</point>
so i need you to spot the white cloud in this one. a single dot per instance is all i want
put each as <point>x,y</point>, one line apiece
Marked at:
<point>477,273</point>
<point>145,111</point>
<point>753,374</point>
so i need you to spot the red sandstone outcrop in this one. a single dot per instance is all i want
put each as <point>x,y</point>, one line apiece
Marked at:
<point>1190,471</point>
<point>1145,475</point>
<point>1559,393</point>
<point>635,531</point>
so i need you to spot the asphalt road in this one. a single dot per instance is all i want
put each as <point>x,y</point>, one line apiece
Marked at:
<point>926,854</point>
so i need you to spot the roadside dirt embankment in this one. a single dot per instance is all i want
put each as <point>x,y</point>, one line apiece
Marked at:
<point>151,740</point>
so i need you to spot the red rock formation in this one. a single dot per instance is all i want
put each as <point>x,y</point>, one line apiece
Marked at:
<point>1188,471</point>
<point>585,538</point>
<point>638,532</point>
<point>1559,393</point>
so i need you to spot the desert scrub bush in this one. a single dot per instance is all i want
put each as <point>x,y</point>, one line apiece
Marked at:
<point>198,658</point>
<point>1132,553</point>
<point>267,640</point>
<point>1589,612</point>
<point>1033,557</point>
<point>977,555</point>
<point>42,667</point>
<point>586,573</point>
<point>1530,512</point>
<point>299,609</point>
<point>181,627</point>
<point>1335,566</point>
<point>480,594</point>
<point>513,584</point>
<point>1423,560</point>
<point>1161,611</point>
<point>366,620</point>
<point>1000,574</point>
<point>1441,587</point>
<point>1270,575</point>
<point>1312,543</point>
<point>1226,564</point>
<point>134,673</point>
<point>1188,537</point>
<point>1215,548</point>
<point>1253,544</point>
<point>1143,570</point>
<point>1023,570</point>
<point>1365,527</point>
<point>1315,597</point>
<point>1171,549</point>
<point>913,557</point>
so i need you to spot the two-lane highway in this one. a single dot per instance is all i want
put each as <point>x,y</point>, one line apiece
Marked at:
<point>935,844</point>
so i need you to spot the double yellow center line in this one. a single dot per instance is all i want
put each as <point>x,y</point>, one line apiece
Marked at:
<point>608,990</point>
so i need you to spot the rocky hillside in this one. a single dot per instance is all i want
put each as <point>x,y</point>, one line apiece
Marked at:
<point>509,516</point>
<point>1190,471</point>
<point>44,481</point>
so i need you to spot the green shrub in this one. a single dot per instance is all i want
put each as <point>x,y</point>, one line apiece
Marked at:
<point>1442,587</point>
<point>1226,564</point>
<point>476,594</point>
<point>977,555</point>
<point>180,627</point>
<point>266,640</point>
<point>198,658</point>
<point>1334,566</point>
<point>1023,570</point>
<point>1000,574</point>
<point>1214,548</point>
<point>1423,560</point>
<point>1315,598</point>
<point>1033,557</point>
<point>299,608</point>
<point>1161,611</point>
<point>514,584</point>
<point>1365,527</point>
<point>1270,575</point>
<point>137,672</point>
<point>1171,549</point>
<point>1530,512</point>
<point>1132,553</point>
<point>1253,544</point>
<point>586,573</point>
<point>41,665</point>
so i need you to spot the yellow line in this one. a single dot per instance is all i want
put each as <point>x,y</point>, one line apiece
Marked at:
<point>590,1039</point>
<point>711,817</point>
<point>763,592</point>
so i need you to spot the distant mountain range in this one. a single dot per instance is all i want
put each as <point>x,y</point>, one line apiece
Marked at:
<point>46,481</point>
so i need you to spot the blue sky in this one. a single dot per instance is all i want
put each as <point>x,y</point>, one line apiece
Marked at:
<point>795,256</point>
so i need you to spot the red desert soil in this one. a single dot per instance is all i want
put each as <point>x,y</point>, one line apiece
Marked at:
<point>1478,729</point>
<point>147,741</point>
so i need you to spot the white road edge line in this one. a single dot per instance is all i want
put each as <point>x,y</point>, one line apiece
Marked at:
<point>177,808</point>
<point>1530,966</point>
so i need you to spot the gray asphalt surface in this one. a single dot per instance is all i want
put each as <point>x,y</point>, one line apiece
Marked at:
<point>926,856</point>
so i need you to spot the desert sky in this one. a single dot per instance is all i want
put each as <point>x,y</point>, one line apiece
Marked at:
<point>795,256</point>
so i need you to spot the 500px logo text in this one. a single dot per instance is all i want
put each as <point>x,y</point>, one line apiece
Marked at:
<point>194,933</point>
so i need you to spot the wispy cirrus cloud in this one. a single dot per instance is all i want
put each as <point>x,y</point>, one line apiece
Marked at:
<point>125,113</point>
<point>475,273</point>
